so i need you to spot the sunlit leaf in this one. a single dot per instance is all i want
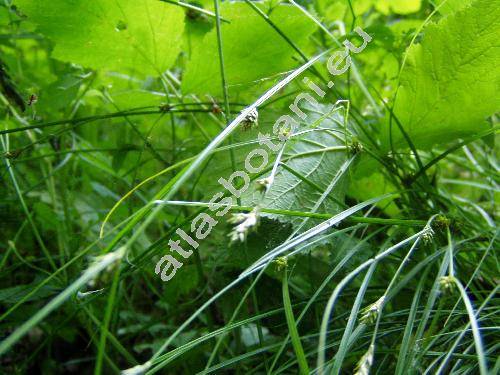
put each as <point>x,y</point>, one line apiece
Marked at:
<point>252,49</point>
<point>127,35</point>
<point>450,84</point>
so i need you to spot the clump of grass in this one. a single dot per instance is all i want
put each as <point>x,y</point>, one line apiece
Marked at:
<point>404,281</point>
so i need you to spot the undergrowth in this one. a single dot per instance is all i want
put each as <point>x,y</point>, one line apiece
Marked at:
<point>367,244</point>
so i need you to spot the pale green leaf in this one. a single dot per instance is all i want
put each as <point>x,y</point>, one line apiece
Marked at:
<point>451,6</point>
<point>252,48</point>
<point>316,157</point>
<point>398,6</point>
<point>450,83</point>
<point>142,36</point>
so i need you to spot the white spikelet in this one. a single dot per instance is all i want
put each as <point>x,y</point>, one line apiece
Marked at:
<point>365,363</point>
<point>137,370</point>
<point>245,224</point>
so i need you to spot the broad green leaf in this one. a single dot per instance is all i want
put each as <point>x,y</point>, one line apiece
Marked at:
<point>341,8</point>
<point>364,188</point>
<point>142,36</point>
<point>316,154</point>
<point>451,6</point>
<point>252,48</point>
<point>398,6</point>
<point>450,83</point>
<point>60,94</point>
<point>4,17</point>
<point>313,159</point>
<point>332,10</point>
<point>184,283</point>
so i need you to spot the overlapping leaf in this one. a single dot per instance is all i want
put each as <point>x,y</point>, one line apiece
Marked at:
<point>252,48</point>
<point>450,84</point>
<point>142,36</point>
<point>313,160</point>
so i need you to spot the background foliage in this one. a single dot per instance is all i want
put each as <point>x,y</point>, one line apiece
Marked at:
<point>106,104</point>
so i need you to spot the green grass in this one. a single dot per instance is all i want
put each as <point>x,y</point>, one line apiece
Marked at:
<point>377,245</point>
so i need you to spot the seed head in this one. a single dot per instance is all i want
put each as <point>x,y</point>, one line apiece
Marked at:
<point>371,312</point>
<point>447,284</point>
<point>251,119</point>
<point>365,363</point>
<point>264,184</point>
<point>281,263</point>
<point>245,224</point>
<point>427,235</point>
<point>441,222</point>
<point>355,148</point>
<point>109,261</point>
<point>284,134</point>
